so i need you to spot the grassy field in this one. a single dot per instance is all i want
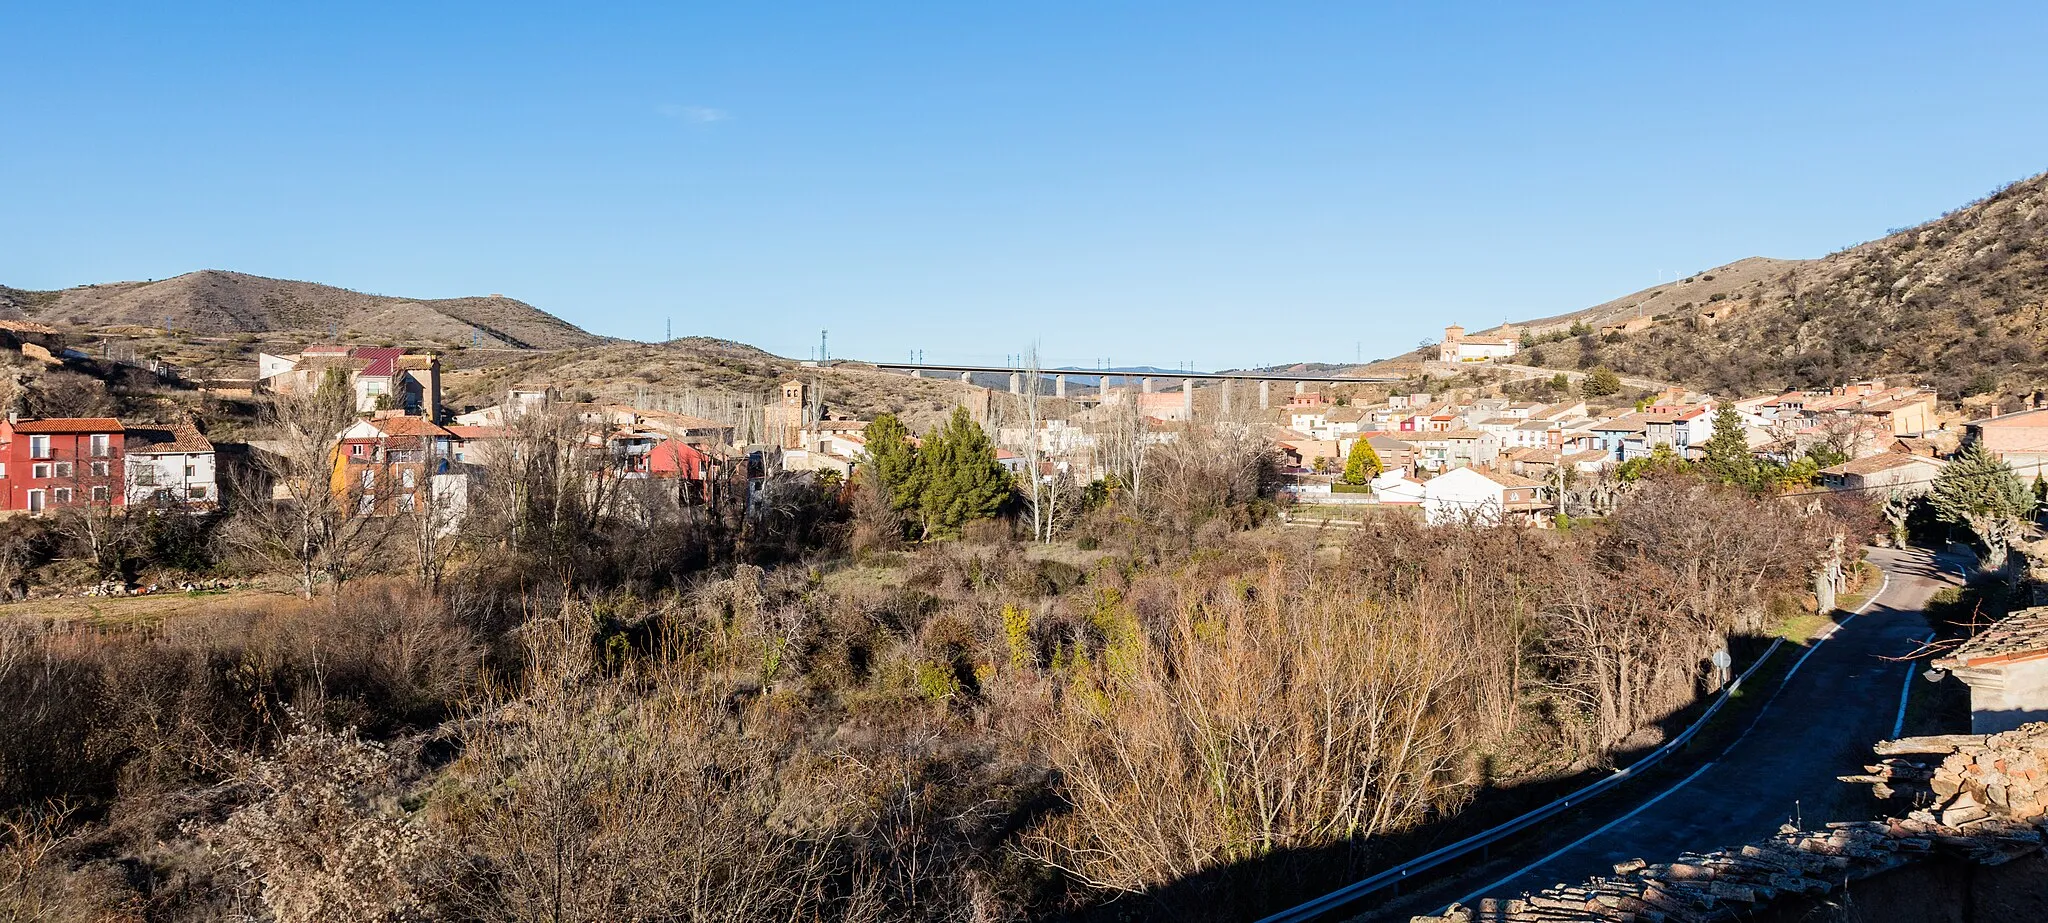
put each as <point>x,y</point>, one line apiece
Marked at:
<point>135,610</point>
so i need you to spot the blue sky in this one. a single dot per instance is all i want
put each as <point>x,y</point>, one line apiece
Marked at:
<point>1154,183</point>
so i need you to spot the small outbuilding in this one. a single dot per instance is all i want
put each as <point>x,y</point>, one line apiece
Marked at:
<point>2006,669</point>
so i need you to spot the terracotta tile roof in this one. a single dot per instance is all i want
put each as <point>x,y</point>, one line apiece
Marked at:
<point>182,439</point>
<point>409,426</point>
<point>2022,635</point>
<point>1873,464</point>
<point>1507,479</point>
<point>467,433</point>
<point>69,426</point>
<point>2020,418</point>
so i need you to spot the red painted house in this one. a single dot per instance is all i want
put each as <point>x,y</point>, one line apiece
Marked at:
<point>58,463</point>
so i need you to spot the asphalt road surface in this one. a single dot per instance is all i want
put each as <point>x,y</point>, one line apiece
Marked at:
<point>1821,724</point>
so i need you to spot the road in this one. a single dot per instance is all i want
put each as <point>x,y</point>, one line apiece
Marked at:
<point>1532,371</point>
<point>1821,724</point>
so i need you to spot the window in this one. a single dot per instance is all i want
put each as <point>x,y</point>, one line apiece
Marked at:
<point>406,479</point>
<point>101,469</point>
<point>39,447</point>
<point>102,444</point>
<point>36,501</point>
<point>355,448</point>
<point>405,503</point>
<point>102,494</point>
<point>191,469</point>
<point>61,495</point>
<point>366,506</point>
<point>369,480</point>
<point>63,469</point>
<point>198,492</point>
<point>39,471</point>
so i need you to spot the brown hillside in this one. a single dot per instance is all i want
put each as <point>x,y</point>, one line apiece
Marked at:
<point>217,302</point>
<point>1960,302</point>
<point>670,375</point>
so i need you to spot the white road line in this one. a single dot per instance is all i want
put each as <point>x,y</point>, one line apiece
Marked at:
<point>1783,681</point>
<point>1581,841</point>
<point>1905,691</point>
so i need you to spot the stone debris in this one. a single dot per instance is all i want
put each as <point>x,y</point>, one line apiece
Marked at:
<point>1989,806</point>
<point>1996,775</point>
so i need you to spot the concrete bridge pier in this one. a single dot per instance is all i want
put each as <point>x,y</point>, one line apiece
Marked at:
<point>1224,396</point>
<point>967,378</point>
<point>917,373</point>
<point>1187,398</point>
<point>1059,386</point>
<point>1145,385</point>
<point>1016,383</point>
<point>1301,387</point>
<point>1265,394</point>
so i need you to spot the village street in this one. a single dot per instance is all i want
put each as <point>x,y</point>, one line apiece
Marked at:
<point>1821,724</point>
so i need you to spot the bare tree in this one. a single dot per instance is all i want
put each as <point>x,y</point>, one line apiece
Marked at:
<point>305,512</point>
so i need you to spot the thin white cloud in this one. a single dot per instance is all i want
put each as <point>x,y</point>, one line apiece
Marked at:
<point>697,114</point>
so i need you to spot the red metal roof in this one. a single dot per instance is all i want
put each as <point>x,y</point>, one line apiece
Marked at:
<point>383,361</point>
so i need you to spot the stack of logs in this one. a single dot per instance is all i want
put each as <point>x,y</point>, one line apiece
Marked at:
<point>1985,805</point>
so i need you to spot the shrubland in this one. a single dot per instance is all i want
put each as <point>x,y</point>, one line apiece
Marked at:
<point>653,706</point>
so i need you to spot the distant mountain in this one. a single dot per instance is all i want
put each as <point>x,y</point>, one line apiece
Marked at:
<point>217,302</point>
<point>1960,302</point>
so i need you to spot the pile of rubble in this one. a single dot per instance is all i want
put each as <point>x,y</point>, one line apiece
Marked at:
<point>1979,777</point>
<point>1985,806</point>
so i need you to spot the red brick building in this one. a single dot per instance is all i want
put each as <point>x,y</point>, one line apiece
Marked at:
<point>54,464</point>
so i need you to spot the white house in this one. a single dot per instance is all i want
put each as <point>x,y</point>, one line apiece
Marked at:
<point>1487,497</point>
<point>1457,347</point>
<point>169,467</point>
<point>1393,486</point>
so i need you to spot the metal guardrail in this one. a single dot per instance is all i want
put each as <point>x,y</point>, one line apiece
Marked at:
<point>1394,876</point>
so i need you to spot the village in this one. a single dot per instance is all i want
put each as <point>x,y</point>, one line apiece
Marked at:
<point>1449,456</point>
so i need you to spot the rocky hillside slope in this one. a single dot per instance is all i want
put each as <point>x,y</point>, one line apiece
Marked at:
<point>216,302</point>
<point>1960,302</point>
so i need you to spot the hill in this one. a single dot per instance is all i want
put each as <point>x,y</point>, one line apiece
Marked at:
<point>217,302</point>
<point>1960,302</point>
<point>701,375</point>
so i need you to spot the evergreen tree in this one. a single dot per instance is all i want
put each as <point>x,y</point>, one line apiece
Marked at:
<point>1727,458</point>
<point>1363,464</point>
<point>959,478</point>
<point>1981,492</point>
<point>893,461</point>
<point>1601,382</point>
<point>2040,491</point>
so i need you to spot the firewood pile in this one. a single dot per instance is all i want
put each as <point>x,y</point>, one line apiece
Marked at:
<point>1987,808</point>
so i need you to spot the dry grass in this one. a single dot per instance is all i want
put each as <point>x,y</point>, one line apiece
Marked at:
<point>139,610</point>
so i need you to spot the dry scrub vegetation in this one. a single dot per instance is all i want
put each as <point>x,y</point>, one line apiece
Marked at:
<point>1198,719</point>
